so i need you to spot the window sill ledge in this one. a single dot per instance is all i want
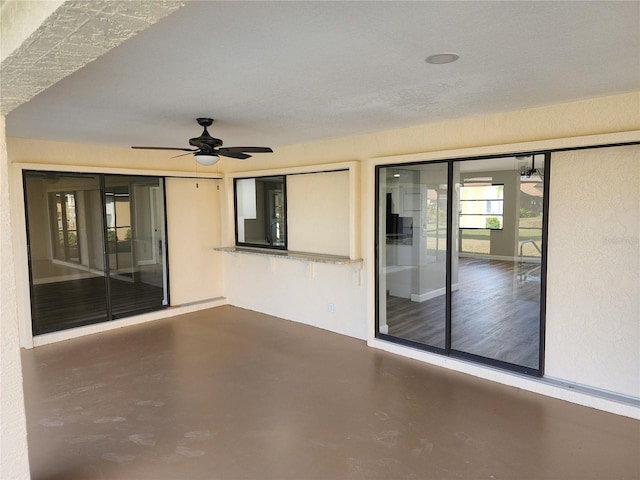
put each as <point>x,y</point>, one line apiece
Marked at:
<point>288,255</point>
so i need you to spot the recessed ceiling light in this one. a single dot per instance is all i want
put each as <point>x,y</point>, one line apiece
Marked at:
<point>442,58</point>
<point>397,175</point>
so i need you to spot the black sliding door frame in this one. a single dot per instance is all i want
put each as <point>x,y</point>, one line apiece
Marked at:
<point>105,248</point>
<point>109,277</point>
<point>399,340</point>
<point>100,185</point>
<point>448,349</point>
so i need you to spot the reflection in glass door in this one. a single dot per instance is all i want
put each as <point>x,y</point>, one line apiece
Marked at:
<point>66,226</point>
<point>135,239</point>
<point>477,292</point>
<point>85,229</point>
<point>412,214</point>
<point>495,308</point>
<point>64,222</point>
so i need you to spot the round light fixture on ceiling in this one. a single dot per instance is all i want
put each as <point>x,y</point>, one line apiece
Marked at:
<point>206,160</point>
<point>442,58</point>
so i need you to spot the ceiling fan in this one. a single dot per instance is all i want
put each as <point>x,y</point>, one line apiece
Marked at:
<point>208,149</point>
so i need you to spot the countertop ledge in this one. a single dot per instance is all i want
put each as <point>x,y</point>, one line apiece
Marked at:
<point>288,255</point>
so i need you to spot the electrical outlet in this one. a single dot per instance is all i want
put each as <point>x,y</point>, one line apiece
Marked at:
<point>331,308</point>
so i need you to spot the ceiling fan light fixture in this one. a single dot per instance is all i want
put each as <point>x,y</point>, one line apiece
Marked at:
<point>206,160</point>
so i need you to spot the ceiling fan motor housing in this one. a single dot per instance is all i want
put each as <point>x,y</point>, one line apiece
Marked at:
<point>204,122</point>
<point>205,142</point>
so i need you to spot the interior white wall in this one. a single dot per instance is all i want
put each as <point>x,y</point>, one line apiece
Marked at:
<point>412,271</point>
<point>193,224</point>
<point>593,276</point>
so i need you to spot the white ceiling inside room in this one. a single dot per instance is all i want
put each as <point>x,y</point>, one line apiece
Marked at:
<point>279,73</point>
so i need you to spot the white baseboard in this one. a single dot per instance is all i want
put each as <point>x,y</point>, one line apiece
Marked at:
<point>505,258</point>
<point>423,297</point>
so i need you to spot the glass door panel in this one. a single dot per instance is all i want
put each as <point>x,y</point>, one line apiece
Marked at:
<point>95,253</point>
<point>495,307</point>
<point>64,219</point>
<point>477,294</point>
<point>412,219</point>
<point>134,213</point>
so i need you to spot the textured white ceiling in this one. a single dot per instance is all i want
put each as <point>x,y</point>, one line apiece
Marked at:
<point>278,73</point>
<point>43,42</point>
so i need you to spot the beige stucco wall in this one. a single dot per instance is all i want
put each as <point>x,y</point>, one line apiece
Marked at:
<point>318,213</point>
<point>593,278</point>
<point>193,219</point>
<point>70,155</point>
<point>14,462</point>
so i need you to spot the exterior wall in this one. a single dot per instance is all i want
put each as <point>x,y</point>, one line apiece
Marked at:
<point>14,461</point>
<point>302,291</point>
<point>593,278</point>
<point>318,211</point>
<point>193,217</point>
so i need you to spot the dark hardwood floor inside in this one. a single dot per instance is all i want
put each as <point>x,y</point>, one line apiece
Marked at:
<point>495,313</point>
<point>60,305</point>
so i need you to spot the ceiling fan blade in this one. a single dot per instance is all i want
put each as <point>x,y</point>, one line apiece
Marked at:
<point>169,148</point>
<point>226,153</point>
<point>247,149</point>
<point>184,154</point>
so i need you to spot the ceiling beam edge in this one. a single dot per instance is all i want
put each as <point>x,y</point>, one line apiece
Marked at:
<point>67,37</point>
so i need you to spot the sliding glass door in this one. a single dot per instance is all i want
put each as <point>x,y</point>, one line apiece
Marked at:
<point>460,258</point>
<point>495,310</point>
<point>96,247</point>
<point>412,240</point>
<point>134,211</point>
